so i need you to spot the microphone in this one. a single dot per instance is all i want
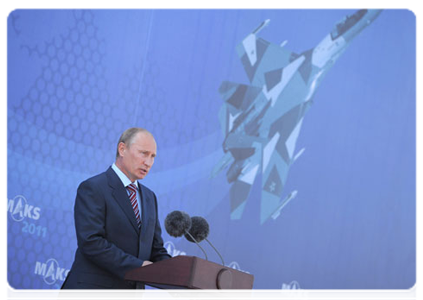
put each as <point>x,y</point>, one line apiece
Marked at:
<point>178,223</point>
<point>199,231</point>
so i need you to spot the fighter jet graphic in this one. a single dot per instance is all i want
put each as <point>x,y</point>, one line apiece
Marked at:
<point>261,121</point>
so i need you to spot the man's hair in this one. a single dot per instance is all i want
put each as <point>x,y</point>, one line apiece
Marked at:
<point>128,136</point>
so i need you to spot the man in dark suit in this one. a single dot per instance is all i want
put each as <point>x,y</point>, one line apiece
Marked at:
<point>116,220</point>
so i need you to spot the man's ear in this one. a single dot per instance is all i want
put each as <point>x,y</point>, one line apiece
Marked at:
<point>121,148</point>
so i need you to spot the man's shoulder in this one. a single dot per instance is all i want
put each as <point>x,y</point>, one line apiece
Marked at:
<point>145,189</point>
<point>97,179</point>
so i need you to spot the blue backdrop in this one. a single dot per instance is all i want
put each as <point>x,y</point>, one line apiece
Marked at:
<point>78,79</point>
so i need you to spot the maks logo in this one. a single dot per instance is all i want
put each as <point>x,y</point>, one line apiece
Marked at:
<point>170,247</point>
<point>294,292</point>
<point>50,271</point>
<point>20,209</point>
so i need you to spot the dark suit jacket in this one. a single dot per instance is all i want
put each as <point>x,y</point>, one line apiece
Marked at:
<point>109,241</point>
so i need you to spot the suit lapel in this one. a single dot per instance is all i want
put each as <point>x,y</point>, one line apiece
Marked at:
<point>121,197</point>
<point>144,202</point>
<point>147,210</point>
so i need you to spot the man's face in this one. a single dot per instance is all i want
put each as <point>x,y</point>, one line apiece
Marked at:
<point>138,157</point>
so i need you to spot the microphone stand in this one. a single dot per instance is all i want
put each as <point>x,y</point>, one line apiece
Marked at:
<point>205,254</point>
<point>221,258</point>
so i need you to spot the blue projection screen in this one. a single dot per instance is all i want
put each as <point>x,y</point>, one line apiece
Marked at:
<point>293,132</point>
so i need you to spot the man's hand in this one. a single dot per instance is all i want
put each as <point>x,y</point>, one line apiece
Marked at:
<point>146,263</point>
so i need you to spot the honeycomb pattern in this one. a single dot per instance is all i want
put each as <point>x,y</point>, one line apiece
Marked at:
<point>65,126</point>
<point>54,131</point>
<point>68,102</point>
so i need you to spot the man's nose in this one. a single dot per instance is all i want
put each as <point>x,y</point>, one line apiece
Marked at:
<point>149,162</point>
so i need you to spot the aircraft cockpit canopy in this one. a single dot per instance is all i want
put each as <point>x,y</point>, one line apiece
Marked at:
<point>347,23</point>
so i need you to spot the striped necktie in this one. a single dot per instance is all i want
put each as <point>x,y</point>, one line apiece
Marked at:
<point>132,189</point>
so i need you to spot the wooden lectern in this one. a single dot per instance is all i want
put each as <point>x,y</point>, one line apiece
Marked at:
<point>190,272</point>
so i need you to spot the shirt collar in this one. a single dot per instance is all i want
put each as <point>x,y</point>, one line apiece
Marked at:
<point>125,180</point>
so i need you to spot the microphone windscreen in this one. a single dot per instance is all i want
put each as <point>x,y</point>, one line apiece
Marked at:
<point>177,222</point>
<point>199,229</point>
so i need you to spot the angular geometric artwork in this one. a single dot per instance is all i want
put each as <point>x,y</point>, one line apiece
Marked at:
<point>262,121</point>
